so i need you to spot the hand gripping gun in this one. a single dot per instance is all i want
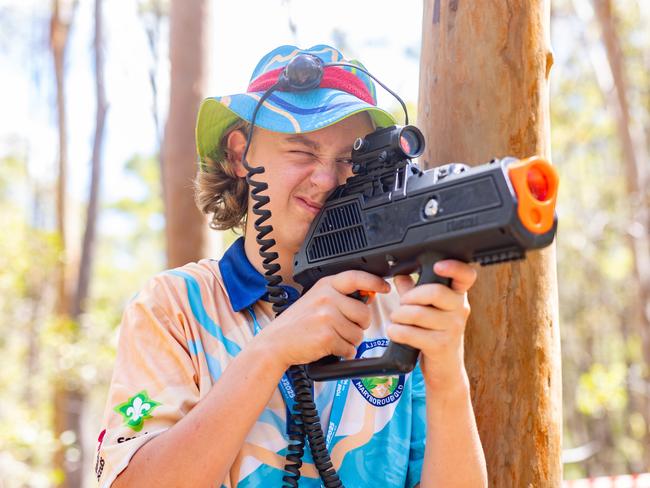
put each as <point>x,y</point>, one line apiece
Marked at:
<point>391,218</point>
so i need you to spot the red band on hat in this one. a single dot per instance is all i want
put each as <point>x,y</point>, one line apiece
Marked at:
<point>333,77</point>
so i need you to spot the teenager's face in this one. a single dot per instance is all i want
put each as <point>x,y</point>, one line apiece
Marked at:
<point>302,170</point>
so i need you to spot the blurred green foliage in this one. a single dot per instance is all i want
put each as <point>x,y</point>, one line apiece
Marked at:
<point>38,350</point>
<point>27,259</point>
<point>601,343</point>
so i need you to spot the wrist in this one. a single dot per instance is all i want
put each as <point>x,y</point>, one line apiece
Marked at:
<point>452,387</point>
<point>265,349</point>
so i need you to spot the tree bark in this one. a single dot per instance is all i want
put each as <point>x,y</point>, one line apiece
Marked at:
<point>484,94</point>
<point>635,160</point>
<point>186,228</point>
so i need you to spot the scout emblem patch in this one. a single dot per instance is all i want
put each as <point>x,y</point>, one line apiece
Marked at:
<point>136,410</point>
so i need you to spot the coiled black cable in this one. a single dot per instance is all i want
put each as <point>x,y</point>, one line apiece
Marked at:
<point>306,406</point>
<point>257,188</point>
<point>304,420</point>
<point>302,73</point>
<point>296,450</point>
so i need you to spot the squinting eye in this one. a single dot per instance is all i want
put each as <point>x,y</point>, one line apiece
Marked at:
<point>302,154</point>
<point>344,161</point>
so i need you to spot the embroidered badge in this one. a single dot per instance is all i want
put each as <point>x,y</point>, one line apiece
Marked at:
<point>136,410</point>
<point>379,390</point>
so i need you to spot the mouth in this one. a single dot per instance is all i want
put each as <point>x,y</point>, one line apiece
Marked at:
<point>309,205</point>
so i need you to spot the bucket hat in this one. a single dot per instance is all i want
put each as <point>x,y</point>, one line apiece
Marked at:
<point>343,91</point>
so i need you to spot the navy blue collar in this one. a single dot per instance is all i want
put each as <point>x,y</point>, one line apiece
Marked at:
<point>244,284</point>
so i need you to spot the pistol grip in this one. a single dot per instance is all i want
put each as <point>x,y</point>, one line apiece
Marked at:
<point>397,359</point>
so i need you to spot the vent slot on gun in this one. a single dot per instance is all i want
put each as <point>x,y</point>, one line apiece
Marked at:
<point>339,232</point>
<point>501,256</point>
<point>340,217</point>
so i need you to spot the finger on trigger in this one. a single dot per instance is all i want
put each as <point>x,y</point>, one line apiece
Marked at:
<point>352,281</point>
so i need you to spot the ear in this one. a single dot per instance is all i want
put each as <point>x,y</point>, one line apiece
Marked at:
<point>235,144</point>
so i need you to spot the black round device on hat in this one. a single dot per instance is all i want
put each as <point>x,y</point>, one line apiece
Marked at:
<point>304,72</point>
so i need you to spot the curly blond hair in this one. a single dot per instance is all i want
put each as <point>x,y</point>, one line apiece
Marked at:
<point>219,191</point>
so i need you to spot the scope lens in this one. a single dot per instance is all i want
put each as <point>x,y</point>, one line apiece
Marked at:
<point>410,142</point>
<point>538,183</point>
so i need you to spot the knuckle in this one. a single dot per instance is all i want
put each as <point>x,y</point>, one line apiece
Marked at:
<point>473,274</point>
<point>347,275</point>
<point>458,325</point>
<point>437,292</point>
<point>467,310</point>
<point>365,318</point>
<point>329,336</point>
<point>409,312</point>
<point>395,317</point>
<point>341,348</point>
<point>400,315</point>
<point>394,332</point>
<point>357,336</point>
<point>344,351</point>
<point>327,280</point>
<point>321,313</point>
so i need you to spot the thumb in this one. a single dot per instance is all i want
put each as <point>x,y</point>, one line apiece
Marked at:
<point>403,283</point>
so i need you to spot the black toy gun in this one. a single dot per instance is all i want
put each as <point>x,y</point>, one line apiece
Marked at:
<point>391,218</point>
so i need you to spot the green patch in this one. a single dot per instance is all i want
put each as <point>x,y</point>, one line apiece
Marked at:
<point>380,386</point>
<point>136,410</point>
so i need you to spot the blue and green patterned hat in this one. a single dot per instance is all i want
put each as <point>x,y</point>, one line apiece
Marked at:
<point>343,91</point>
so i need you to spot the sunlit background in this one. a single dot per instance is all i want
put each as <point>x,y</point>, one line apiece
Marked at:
<point>605,380</point>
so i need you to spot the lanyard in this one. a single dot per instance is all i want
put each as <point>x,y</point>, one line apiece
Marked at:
<point>289,395</point>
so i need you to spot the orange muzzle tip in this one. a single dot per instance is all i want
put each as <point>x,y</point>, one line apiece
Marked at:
<point>535,182</point>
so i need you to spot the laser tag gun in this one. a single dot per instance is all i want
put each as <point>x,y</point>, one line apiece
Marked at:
<point>391,218</point>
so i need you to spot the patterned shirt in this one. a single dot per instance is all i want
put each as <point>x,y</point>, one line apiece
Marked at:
<point>182,331</point>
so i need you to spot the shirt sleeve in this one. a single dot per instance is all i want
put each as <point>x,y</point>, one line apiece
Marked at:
<point>418,428</point>
<point>154,382</point>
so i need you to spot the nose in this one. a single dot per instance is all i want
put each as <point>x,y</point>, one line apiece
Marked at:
<point>326,176</point>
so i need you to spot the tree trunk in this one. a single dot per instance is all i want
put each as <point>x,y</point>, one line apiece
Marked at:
<point>68,399</point>
<point>635,160</point>
<point>152,16</point>
<point>484,94</point>
<point>186,228</point>
<point>65,402</point>
<point>88,245</point>
<point>59,29</point>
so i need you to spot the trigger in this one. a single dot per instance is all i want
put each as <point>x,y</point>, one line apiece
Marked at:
<point>365,296</point>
